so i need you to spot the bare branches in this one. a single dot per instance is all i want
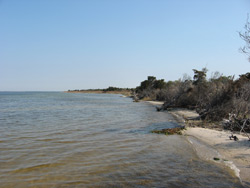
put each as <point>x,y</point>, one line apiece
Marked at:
<point>236,124</point>
<point>246,37</point>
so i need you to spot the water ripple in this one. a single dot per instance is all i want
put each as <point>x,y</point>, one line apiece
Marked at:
<point>83,140</point>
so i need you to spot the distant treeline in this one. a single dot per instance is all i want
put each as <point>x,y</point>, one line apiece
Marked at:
<point>78,90</point>
<point>110,88</point>
<point>212,98</point>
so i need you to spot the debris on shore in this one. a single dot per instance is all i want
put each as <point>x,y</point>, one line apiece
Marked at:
<point>170,131</point>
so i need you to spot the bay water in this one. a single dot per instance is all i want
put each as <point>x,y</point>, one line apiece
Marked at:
<point>56,139</point>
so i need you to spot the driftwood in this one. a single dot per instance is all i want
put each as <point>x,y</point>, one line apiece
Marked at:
<point>236,124</point>
<point>135,97</point>
<point>159,108</point>
<point>167,106</point>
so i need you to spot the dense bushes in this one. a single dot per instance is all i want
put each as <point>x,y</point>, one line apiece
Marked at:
<point>111,88</point>
<point>213,99</point>
<point>150,88</point>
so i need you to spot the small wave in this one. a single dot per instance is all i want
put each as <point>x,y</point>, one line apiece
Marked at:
<point>208,153</point>
<point>46,140</point>
<point>24,137</point>
<point>231,165</point>
<point>67,142</point>
<point>36,167</point>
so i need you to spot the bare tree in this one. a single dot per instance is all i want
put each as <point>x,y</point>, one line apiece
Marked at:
<point>242,101</point>
<point>246,37</point>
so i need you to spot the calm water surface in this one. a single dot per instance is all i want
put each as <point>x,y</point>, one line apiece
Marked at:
<point>53,139</point>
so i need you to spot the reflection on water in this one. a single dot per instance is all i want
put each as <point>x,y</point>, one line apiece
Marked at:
<point>88,140</point>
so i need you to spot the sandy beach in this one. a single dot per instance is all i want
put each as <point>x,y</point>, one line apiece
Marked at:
<point>238,152</point>
<point>213,144</point>
<point>234,154</point>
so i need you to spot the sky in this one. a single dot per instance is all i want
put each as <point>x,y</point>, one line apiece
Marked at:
<point>56,45</point>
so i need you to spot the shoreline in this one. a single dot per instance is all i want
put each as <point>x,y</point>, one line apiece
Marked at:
<point>233,154</point>
<point>215,145</point>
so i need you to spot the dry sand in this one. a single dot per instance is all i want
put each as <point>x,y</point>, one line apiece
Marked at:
<point>156,103</point>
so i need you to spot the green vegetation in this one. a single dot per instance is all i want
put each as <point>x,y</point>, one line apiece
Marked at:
<point>150,87</point>
<point>110,88</point>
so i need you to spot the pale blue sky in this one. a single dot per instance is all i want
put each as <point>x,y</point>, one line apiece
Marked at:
<point>79,44</point>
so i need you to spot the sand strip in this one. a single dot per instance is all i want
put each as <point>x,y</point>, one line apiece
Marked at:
<point>155,103</point>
